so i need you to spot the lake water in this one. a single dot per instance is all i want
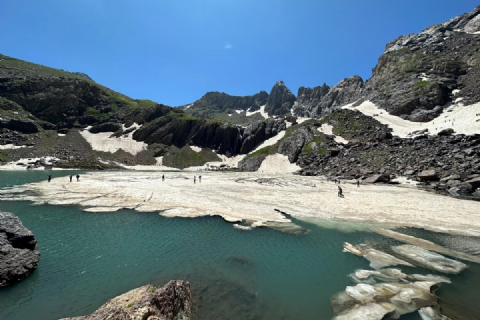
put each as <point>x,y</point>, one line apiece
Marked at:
<point>88,258</point>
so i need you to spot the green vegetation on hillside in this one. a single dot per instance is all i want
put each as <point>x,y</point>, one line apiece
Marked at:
<point>420,84</point>
<point>315,143</point>
<point>186,157</point>
<point>36,69</point>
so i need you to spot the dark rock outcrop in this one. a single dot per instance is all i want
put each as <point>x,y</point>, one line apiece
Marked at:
<point>292,146</point>
<point>280,100</point>
<point>378,178</point>
<point>170,302</point>
<point>24,126</point>
<point>428,175</point>
<point>257,132</point>
<point>106,127</point>
<point>319,100</point>
<point>19,255</point>
<point>251,164</point>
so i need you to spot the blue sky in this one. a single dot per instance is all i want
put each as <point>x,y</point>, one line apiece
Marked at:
<point>174,51</point>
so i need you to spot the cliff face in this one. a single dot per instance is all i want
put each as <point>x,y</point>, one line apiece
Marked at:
<point>322,100</point>
<point>280,100</point>
<point>19,255</point>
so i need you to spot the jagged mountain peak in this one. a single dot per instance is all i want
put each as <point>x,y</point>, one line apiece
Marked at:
<point>280,100</point>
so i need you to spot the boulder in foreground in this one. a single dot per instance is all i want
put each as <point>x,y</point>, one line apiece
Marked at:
<point>173,301</point>
<point>19,255</point>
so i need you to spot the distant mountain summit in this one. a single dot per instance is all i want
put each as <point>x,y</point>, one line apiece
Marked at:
<point>415,76</point>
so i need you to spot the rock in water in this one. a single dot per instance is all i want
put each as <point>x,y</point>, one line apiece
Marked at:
<point>428,313</point>
<point>172,301</point>
<point>429,259</point>
<point>19,255</point>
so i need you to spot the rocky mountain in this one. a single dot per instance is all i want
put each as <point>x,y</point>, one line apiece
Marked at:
<point>44,111</point>
<point>219,102</point>
<point>19,255</point>
<point>415,76</point>
<point>280,100</point>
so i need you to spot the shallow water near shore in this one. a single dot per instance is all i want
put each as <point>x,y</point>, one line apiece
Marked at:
<point>88,258</point>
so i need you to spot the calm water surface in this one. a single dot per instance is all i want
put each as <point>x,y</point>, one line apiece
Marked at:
<point>88,258</point>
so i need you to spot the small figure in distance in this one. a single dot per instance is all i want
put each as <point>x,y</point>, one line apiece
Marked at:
<point>358,183</point>
<point>335,180</point>
<point>194,179</point>
<point>199,179</point>
<point>163,177</point>
<point>71,178</point>
<point>49,177</point>
<point>340,192</point>
<point>78,177</point>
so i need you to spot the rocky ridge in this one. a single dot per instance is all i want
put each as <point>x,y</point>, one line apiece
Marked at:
<point>19,255</point>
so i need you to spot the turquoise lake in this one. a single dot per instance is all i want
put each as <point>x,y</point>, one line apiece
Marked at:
<point>88,258</point>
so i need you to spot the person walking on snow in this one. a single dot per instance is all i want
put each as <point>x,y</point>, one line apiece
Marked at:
<point>194,179</point>
<point>340,192</point>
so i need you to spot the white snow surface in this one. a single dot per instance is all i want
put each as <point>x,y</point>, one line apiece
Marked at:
<point>11,146</point>
<point>271,141</point>
<point>195,148</point>
<point>262,112</point>
<point>462,119</point>
<point>13,165</point>
<point>102,141</point>
<point>301,119</point>
<point>328,129</point>
<point>278,163</point>
<point>238,111</point>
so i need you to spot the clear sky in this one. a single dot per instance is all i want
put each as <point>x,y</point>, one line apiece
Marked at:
<point>174,51</point>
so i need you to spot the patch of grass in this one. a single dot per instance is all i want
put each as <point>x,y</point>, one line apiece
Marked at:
<point>5,156</point>
<point>421,84</point>
<point>315,143</point>
<point>21,65</point>
<point>266,151</point>
<point>152,289</point>
<point>93,112</point>
<point>145,103</point>
<point>186,157</point>
<point>130,304</point>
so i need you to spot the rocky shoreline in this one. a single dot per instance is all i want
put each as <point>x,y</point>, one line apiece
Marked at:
<point>19,255</point>
<point>173,301</point>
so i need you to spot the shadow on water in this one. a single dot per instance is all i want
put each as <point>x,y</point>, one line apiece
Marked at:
<point>88,258</point>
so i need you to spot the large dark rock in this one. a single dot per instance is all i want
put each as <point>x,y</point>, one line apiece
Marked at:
<point>258,132</point>
<point>19,255</point>
<point>173,301</point>
<point>106,127</point>
<point>251,164</point>
<point>24,126</point>
<point>292,146</point>
<point>280,100</point>
<point>428,175</point>
<point>378,178</point>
